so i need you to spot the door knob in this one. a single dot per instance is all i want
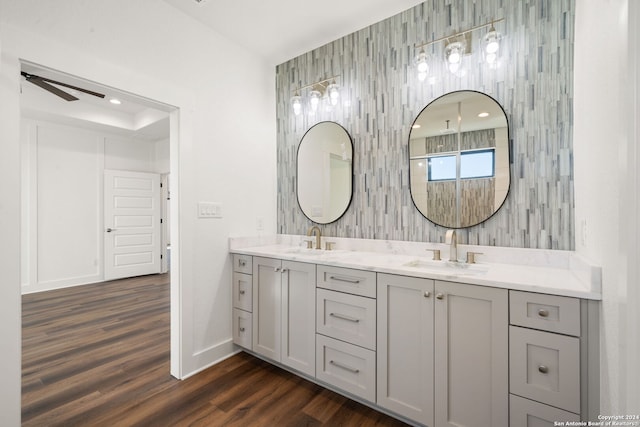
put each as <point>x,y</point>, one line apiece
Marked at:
<point>109,230</point>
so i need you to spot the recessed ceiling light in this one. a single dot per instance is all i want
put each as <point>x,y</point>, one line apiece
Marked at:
<point>115,101</point>
<point>416,126</point>
<point>483,114</point>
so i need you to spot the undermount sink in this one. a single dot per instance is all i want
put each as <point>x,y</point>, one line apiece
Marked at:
<point>449,267</point>
<point>307,251</point>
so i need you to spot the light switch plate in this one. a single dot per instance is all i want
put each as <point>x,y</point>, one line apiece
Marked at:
<point>209,210</point>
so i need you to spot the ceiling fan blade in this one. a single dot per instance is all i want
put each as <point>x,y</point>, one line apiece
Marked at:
<point>54,90</point>
<point>31,77</point>
<point>87,91</point>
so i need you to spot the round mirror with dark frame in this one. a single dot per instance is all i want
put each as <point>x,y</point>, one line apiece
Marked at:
<point>325,172</point>
<point>459,159</point>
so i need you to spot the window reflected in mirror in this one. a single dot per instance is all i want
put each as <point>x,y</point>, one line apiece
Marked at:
<point>459,159</point>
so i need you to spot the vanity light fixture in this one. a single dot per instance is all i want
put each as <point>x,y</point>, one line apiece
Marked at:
<point>314,100</point>
<point>458,45</point>
<point>453,55</point>
<point>296,104</point>
<point>325,91</point>
<point>491,45</point>
<point>422,65</point>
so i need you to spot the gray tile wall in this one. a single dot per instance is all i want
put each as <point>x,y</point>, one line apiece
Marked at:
<point>533,83</point>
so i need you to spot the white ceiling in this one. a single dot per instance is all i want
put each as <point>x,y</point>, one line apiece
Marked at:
<point>277,30</point>
<point>280,30</point>
<point>135,117</point>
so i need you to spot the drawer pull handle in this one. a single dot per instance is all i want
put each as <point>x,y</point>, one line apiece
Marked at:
<point>341,279</point>
<point>242,262</point>
<point>543,369</point>
<point>344,317</point>
<point>440,295</point>
<point>543,313</point>
<point>241,329</point>
<point>427,294</point>
<point>242,292</point>
<point>345,367</point>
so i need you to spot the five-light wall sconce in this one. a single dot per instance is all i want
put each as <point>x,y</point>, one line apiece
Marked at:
<point>324,93</point>
<point>458,45</point>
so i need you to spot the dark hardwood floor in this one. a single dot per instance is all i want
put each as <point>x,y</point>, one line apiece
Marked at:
<point>98,355</point>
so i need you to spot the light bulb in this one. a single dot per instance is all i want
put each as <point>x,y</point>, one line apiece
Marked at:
<point>334,93</point>
<point>296,104</point>
<point>422,65</point>
<point>454,56</point>
<point>491,45</point>
<point>314,100</point>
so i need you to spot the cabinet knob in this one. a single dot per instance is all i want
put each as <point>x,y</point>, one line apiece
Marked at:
<point>242,263</point>
<point>543,369</point>
<point>241,329</point>
<point>277,269</point>
<point>440,295</point>
<point>543,313</point>
<point>427,294</point>
<point>242,292</point>
<point>284,270</point>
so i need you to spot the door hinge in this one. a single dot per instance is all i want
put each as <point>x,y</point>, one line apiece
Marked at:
<point>160,220</point>
<point>160,256</point>
<point>160,185</point>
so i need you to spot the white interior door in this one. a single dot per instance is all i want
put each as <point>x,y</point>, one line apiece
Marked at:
<point>132,224</point>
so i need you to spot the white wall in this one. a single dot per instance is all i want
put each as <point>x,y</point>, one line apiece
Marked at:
<point>607,186</point>
<point>63,193</point>
<point>225,97</point>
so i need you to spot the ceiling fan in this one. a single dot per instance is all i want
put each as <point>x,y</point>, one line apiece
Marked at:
<point>44,84</point>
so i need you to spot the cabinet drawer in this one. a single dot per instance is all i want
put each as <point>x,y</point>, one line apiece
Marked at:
<point>545,367</point>
<point>349,318</point>
<point>242,322</point>
<point>242,263</point>
<point>242,291</point>
<point>547,312</point>
<point>527,413</point>
<point>357,282</point>
<point>348,367</point>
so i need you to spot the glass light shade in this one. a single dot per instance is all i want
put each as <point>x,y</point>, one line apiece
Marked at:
<point>453,53</point>
<point>422,65</point>
<point>334,93</point>
<point>314,100</point>
<point>296,104</point>
<point>491,46</point>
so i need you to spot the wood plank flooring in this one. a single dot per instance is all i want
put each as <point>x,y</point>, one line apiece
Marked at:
<point>98,355</point>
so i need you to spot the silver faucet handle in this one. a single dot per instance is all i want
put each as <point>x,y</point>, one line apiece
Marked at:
<point>329,245</point>
<point>436,254</point>
<point>471,257</point>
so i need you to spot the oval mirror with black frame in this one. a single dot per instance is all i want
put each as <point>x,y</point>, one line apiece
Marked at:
<point>325,172</point>
<point>459,159</point>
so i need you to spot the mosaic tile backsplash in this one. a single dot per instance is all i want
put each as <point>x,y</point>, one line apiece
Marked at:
<point>381,96</point>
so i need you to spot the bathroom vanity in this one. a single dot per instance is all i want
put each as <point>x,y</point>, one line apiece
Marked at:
<point>509,340</point>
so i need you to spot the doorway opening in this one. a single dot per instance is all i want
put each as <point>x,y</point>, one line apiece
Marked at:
<point>71,151</point>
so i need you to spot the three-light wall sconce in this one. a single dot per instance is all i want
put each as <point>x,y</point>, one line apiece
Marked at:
<point>324,93</point>
<point>458,45</point>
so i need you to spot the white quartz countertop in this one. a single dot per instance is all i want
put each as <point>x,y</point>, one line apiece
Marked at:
<point>549,272</point>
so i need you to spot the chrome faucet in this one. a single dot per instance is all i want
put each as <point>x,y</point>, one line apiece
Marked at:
<point>450,239</point>
<point>315,230</point>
